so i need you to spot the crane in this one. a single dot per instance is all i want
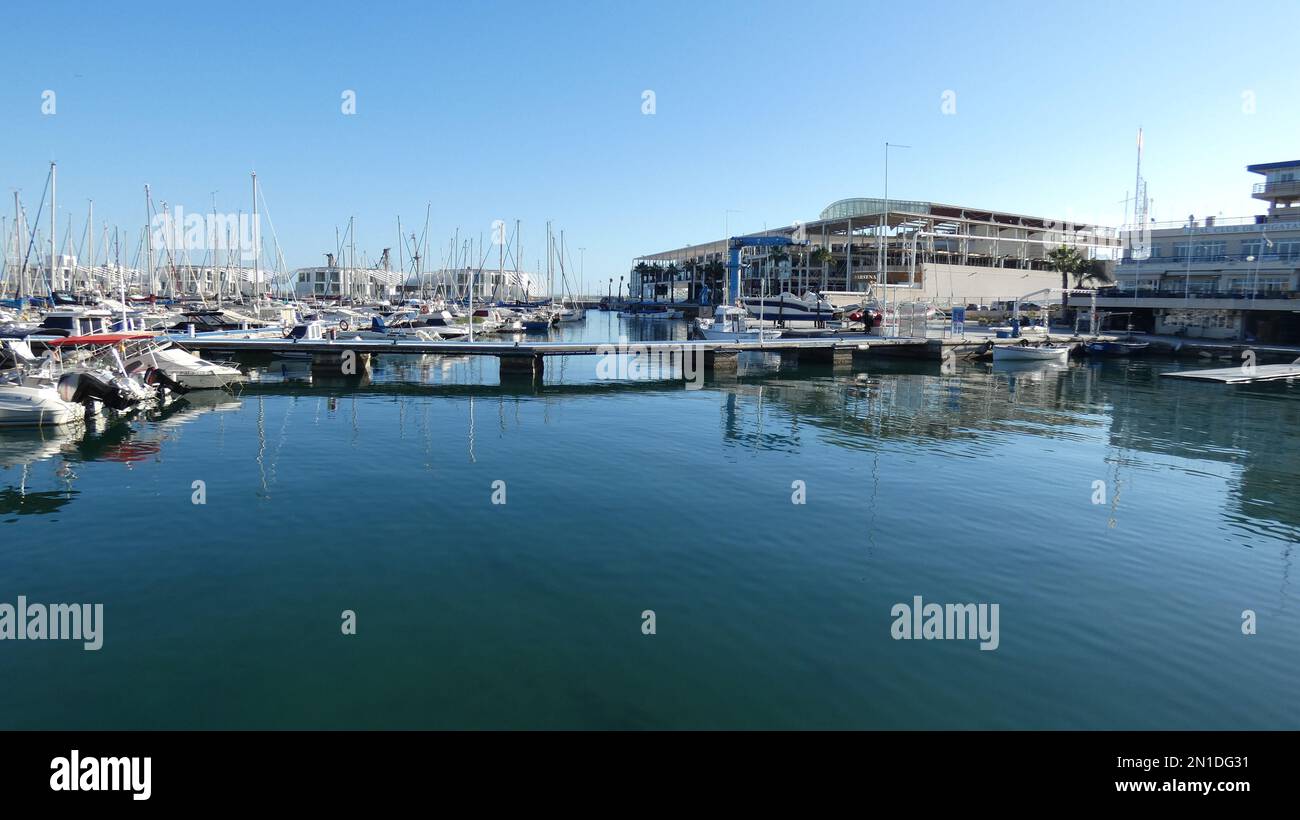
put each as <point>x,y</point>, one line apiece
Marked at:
<point>734,246</point>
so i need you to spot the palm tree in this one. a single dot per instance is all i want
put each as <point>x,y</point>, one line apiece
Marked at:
<point>823,257</point>
<point>670,274</point>
<point>690,266</point>
<point>1093,271</point>
<point>714,273</point>
<point>642,270</point>
<point>1067,261</point>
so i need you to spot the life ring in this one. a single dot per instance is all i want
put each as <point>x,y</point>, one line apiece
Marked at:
<point>343,324</point>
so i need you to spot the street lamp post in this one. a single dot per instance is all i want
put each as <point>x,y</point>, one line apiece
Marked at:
<point>727,295</point>
<point>881,272</point>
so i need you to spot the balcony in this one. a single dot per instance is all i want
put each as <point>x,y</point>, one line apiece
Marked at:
<point>1206,299</point>
<point>1276,190</point>
<point>1230,258</point>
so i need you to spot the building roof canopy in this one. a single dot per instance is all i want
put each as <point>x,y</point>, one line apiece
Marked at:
<point>861,206</point>
<point>1261,167</point>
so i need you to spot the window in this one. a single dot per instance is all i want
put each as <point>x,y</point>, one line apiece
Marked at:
<point>1202,251</point>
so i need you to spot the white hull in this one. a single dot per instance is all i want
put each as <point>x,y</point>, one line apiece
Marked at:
<point>22,406</point>
<point>738,336</point>
<point>1025,353</point>
<point>787,307</point>
<point>186,369</point>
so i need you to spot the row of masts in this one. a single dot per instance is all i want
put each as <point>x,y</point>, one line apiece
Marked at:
<point>172,269</point>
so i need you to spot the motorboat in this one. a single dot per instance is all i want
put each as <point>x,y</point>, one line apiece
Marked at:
<point>1116,348</point>
<point>35,405</point>
<point>30,397</point>
<point>1025,352</point>
<point>732,324</point>
<point>181,366</point>
<point>790,308</point>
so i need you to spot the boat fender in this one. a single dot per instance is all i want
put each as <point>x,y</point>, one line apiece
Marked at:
<point>343,324</point>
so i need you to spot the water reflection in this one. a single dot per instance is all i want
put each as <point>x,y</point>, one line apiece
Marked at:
<point>133,441</point>
<point>1122,406</point>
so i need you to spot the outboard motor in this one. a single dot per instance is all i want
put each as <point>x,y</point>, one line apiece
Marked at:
<point>156,378</point>
<point>80,388</point>
<point>377,324</point>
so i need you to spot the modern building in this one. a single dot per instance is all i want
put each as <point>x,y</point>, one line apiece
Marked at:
<point>334,282</point>
<point>945,253</point>
<point>1229,279</point>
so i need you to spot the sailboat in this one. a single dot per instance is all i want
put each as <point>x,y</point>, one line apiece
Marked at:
<point>568,311</point>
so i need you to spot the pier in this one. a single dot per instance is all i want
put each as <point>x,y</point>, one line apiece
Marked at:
<point>1239,374</point>
<point>528,358</point>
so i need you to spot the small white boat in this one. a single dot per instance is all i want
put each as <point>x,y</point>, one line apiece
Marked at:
<point>731,324</point>
<point>26,405</point>
<point>1031,353</point>
<point>182,367</point>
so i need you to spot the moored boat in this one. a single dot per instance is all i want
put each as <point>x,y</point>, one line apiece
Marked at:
<point>790,308</point>
<point>1116,348</point>
<point>732,324</point>
<point>1026,352</point>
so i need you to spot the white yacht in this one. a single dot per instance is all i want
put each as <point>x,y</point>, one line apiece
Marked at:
<point>181,366</point>
<point>732,324</point>
<point>790,308</point>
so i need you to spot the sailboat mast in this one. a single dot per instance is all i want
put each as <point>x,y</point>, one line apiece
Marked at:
<point>54,209</point>
<point>18,255</point>
<point>257,242</point>
<point>90,239</point>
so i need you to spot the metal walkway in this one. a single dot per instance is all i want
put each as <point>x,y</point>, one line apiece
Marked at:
<point>227,344</point>
<point>1239,374</point>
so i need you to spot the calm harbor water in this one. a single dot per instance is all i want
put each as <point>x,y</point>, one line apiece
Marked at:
<point>976,486</point>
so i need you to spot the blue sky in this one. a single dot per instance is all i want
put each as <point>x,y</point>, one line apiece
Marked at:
<point>534,112</point>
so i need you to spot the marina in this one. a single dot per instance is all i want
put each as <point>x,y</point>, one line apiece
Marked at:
<point>368,372</point>
<point>287,452</point>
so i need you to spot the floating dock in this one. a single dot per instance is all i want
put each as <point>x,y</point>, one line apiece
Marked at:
<point>527,358</point>
<point>1239,374</point>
